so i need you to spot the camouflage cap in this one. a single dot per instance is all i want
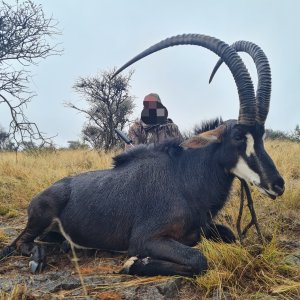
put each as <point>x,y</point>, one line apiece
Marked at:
<point>152,97</point>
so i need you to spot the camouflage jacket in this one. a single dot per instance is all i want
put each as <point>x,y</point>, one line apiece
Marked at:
<point>141,133</point>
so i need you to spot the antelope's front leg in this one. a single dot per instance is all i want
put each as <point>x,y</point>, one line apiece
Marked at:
<point>165,257</point>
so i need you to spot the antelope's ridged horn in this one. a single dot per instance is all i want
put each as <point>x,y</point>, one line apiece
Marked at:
<point>239,71</point>
<point>263,92</point>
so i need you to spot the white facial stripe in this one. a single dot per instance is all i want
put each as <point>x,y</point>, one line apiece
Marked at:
<point>264,136</point>
<point>243,171</point>
<point>250,144</point>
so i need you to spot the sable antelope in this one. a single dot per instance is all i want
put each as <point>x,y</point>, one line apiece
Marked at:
<point>158,200</point>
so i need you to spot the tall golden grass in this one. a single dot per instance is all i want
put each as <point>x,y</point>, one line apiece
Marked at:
<point>251,271</point>
<point>27,174</point>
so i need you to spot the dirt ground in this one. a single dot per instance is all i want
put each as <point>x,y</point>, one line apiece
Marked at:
<point>98,278</point>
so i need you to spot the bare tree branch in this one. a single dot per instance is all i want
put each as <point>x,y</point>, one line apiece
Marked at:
<point>25,38</point>
<point>110,105</point>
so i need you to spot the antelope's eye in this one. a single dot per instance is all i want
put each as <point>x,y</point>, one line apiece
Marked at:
<point>239,137</point>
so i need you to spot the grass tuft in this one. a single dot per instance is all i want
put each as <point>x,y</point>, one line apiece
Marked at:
<point>3,236</point>
<point>18,292</point>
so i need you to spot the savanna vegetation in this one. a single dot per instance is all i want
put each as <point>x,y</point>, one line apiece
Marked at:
<point>249,271</point>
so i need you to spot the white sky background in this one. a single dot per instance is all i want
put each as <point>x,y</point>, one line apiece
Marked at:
<point>100,34</point>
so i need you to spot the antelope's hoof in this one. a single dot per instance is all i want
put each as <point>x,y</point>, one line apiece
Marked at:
<point>37,259</point>
<point>35,267</point>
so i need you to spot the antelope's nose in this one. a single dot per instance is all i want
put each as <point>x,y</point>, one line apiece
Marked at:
<point>278,186</point>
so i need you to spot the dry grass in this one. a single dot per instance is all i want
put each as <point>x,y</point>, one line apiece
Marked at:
<point>19,292</point>
<point>29,175</point>
<point>2,236</point>
<point>244,272</point>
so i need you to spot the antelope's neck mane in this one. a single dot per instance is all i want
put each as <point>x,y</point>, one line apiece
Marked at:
<point>170,147</point>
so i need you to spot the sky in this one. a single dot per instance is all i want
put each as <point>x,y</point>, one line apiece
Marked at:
<point>98,35</point>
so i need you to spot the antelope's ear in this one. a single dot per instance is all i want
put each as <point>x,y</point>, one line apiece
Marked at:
<point>204,139</point>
